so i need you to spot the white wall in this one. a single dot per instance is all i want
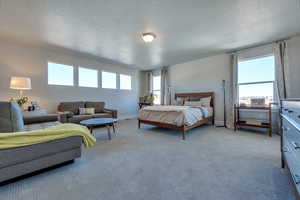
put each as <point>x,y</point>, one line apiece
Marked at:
<point>31,61</point>
<point>143,83</point>
<point>293,72</point>
<point>202,76</point>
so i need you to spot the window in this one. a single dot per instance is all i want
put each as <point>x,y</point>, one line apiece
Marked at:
<point>156,89</point>
<point>109,80</point>
<point>59,74</point>
<point>256,81</point>
<point>87,77</point>
<point>125,82</point>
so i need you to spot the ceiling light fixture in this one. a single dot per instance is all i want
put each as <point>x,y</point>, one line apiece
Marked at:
<point>148,37</point>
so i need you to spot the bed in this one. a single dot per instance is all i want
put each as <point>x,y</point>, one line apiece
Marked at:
<point>182,117</point>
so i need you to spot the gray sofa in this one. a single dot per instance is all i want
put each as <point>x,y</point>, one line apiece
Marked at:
<point>15,162</point>
<point>70,111</point>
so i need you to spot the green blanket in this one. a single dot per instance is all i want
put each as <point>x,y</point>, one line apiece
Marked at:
<point>19,139</point>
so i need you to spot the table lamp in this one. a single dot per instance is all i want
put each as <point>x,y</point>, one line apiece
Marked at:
<point>20,83</point>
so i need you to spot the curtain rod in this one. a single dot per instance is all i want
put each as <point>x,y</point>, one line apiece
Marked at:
<point>259,45</point>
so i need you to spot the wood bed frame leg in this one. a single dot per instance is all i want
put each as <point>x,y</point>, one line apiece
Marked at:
<point>139,124</point>
<point>183,134</point>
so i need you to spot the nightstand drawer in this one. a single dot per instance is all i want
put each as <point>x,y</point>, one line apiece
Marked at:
<point>291,109</point>
<point>295,115</point>
<point>291,136</point>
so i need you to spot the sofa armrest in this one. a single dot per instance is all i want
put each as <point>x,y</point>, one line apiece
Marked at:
<point>65,116</point>
<point>40,119</point>
<point>113,112</point>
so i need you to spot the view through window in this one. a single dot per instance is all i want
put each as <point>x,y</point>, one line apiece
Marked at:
<point>87,77</point>
<point>109,80</point>
<point>256,81</point>
<point>125,82</point>
<point>156,89</point>
<point>59,74</point>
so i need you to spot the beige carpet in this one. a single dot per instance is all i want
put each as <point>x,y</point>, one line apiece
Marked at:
<point>155,164</point>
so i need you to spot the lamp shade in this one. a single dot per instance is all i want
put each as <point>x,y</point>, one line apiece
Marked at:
<point>20,83</point>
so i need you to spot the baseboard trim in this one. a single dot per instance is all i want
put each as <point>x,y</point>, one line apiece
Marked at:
<point>219,123</point>
<point>128,117</point>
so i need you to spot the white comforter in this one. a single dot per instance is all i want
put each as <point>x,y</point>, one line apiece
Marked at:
<point>175,115</point>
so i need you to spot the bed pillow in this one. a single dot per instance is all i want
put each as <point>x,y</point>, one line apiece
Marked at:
<point>193,103</point>
<point>194,98</point>
<point>205,101</point>
<point>179,102</point>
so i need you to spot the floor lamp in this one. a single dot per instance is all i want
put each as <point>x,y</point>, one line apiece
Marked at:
<point>170,95</point>
<point>224,103</point>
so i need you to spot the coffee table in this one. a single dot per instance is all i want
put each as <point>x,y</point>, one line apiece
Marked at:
<point>108,122</point>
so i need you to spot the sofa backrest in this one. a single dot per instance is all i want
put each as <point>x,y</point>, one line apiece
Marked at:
<point>11,118</point>
<point>99,106</point>
<point>74,106</point>
<point>71,106</point>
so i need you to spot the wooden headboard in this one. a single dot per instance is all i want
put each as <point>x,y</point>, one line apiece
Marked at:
<point>200,95</point>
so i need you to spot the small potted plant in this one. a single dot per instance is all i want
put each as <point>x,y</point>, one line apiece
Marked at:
<point>20,101</point>
<point>150,98</point>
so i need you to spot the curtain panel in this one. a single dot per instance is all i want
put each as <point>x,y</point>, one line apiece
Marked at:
<point>281,66</point>
<point>233,90</point>
<point>149,82</point>
<point>164,86</point>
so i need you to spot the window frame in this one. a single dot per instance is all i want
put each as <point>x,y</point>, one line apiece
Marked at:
<point>155,90</point>
<point>116,79</point>
<point>256,82</point>
<point>130,81</point>
<point>73,74</point>
<point>97,76</point>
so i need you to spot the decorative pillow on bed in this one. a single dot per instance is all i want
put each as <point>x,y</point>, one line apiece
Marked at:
<point>194,99</point>
<point>193,103</point>
<point>179,102</point>
<point>205,101</point>
<point>86,111</point>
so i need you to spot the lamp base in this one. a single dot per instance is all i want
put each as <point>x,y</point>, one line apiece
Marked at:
<point>21,93</point>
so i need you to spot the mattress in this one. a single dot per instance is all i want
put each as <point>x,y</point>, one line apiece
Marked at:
<point>175,115</point>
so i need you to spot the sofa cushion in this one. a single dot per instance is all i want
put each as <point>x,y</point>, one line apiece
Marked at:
<point>11,118</point>
<point>102,115</point>
<point>78,118</point>
<point>71,106</point>
<point>19,155</point>
<point>37,126</point>
<point>86,111</point>
<point>99,106</point>
<point>40,119</point>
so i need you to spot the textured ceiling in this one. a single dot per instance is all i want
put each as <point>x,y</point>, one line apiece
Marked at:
<point>185,29</point>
